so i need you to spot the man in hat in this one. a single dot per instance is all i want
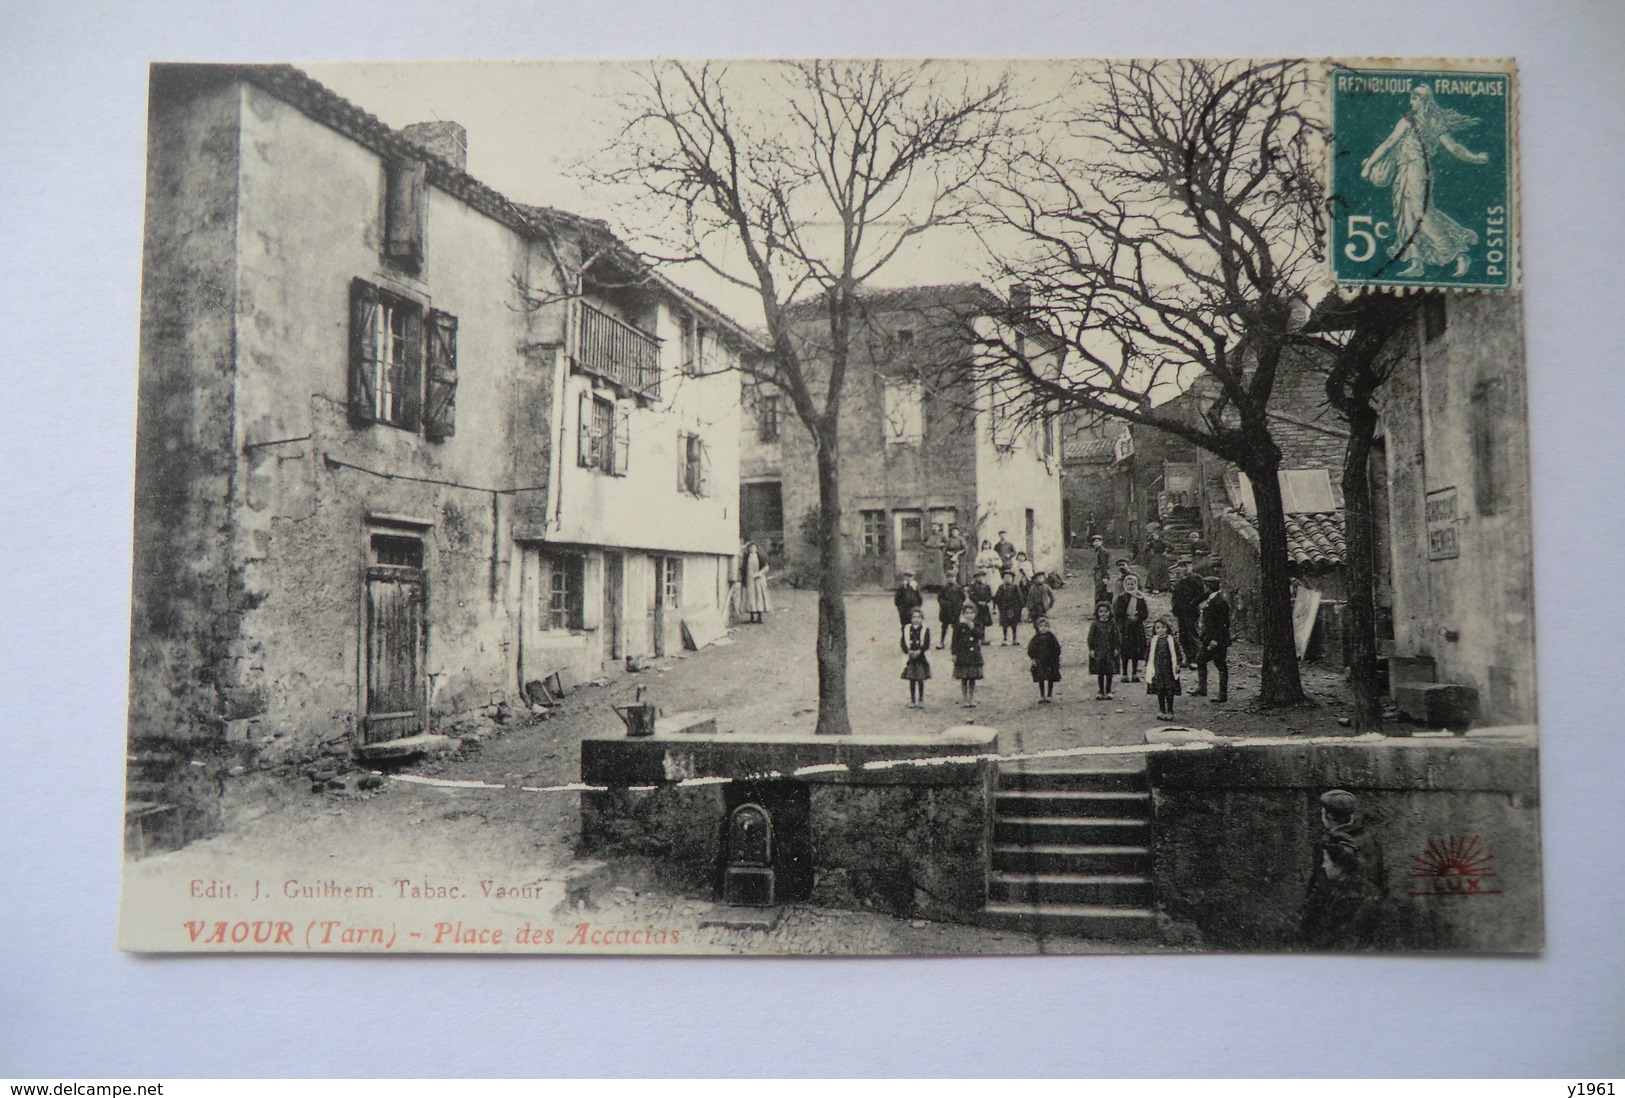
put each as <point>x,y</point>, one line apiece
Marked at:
<point>1006,550</point>
<point>1214,636</point>
<point>1189,591</point>
<point>1349,882</point>
<point>908,598</point>
<point>1102,568</point>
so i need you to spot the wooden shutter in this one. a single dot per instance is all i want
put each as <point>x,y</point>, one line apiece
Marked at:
<point>682,461</point>
<point>406,195</point>
<point>440,405</point>
<point>623,439</point>
<point>703,488</point>
<point>363,350</point>
<point>584,446</point>
<point>410,383</point>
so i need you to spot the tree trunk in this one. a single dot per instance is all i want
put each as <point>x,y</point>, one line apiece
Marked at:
<point>833,719</point>
<point>1360,559</point>
<point>1280,684</point>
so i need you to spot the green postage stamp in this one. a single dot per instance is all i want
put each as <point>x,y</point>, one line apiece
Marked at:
<point>1424,176</point>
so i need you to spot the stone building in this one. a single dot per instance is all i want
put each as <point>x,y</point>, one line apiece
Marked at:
<point>925,445</point>
<point>1454,510</point>
<point>404,445</point>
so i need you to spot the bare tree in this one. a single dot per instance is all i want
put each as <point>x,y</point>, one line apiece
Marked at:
<point>1170,243</point>
<point>800,182</point>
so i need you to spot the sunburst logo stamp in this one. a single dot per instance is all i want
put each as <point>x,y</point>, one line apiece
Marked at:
<point>1457,866</point>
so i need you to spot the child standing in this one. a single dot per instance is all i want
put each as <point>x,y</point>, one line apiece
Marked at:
<point>1131,613</point>
<point>916,642</point>
<point>950,604</point>
<point>1045,652</point>
<point>967,649</point>
<point>1162,662</point>
<point>981,597</point>
<point>1008,599</point>
<point>1105,649</point>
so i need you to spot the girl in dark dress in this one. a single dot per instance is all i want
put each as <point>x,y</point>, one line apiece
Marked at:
<point>981,597</point>
<point>1045,652</point>
<point>1162,663</point>
<point>916,642</point>
<point>966,644</point>
<point>1105,649</point>
<point>1131,613</point>
<point>950,602</point>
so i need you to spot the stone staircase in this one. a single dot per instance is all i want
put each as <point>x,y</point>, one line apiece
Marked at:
<point>153,821</point>
<point>1072,854</point>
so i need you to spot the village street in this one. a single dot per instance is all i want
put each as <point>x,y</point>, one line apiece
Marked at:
<point>501,826</point>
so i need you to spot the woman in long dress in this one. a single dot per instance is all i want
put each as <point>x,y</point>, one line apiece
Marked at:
<point>1424,235</point>
<point>751,576</point>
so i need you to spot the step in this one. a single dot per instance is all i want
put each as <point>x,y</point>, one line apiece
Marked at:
<point>1107,830</point>
<point>144,791</point>
<point>1079,780</point>
<point>1071,920</point>
<point>1115,804</point>
<point>1057,858</point>
<point>1103,889</point>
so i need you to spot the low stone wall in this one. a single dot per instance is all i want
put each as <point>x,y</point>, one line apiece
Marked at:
<point>891,827</point>
<point>1457,822</point>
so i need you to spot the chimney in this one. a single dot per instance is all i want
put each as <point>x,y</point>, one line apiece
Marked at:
<point>1021,298</point>
<point>447,140</point>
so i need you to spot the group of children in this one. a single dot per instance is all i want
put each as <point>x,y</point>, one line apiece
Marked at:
<point>1117,639</point>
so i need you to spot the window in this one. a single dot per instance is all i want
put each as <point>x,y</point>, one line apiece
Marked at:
<point>767,418</point>
<point>687,337</point>
<point>693,464</point>
<point>397,551</point>
<point>1490,464</point>
<point>905,336</point>
<point>1434,317</point>
<point>905,412</point>
<point>941,519</point>
<point>561,592</point>
<point>405,201</point>
<point>389,339</point>
<point>604,441</point>
<point>669,574</point>
<point>910,530</point>
<point>1049,436</point>
<point>874,533</point>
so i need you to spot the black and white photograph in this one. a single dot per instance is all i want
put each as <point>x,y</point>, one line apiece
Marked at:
<point>832,507</point>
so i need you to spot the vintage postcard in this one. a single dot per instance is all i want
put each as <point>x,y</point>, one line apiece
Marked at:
<point>833,507</point>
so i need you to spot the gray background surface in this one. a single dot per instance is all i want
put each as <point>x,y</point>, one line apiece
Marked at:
<point>72,121</point>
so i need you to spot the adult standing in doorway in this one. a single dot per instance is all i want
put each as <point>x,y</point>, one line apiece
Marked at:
<point>953,555</point>
<point>751,575</point>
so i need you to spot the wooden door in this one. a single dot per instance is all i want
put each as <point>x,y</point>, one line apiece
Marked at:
<point>657,605</point>
<point>397,646</point>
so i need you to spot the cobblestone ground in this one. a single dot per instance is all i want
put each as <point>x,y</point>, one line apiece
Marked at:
<point>761,678</point>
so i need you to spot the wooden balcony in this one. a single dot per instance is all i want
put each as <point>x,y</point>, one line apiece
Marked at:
<point>616,351</point>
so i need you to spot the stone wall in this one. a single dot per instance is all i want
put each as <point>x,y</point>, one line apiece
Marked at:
<point>1235,834</point>
<point>904,839</point>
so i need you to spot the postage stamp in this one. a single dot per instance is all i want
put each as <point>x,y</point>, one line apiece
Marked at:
<point>1424,176</point>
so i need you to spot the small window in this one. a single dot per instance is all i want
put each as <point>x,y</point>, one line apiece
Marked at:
<point>561,592</point>
<point>671,579</point>
<point>767,418</point>
<point>905,336</point>
<point>405,202</point>
<point>604,437</point>
<point>693,464</point>
<point>874,533</point>
<point>1490,465</point>
<point>688,342</point>
<point>1049,436</point>
<point>1435,318</point>
<point>397,551</point>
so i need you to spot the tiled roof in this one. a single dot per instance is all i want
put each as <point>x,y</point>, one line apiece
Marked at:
<point>1090,451</point>
<point>1314,540</point>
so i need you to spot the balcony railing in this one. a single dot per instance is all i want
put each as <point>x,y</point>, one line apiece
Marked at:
<point>616,351</point>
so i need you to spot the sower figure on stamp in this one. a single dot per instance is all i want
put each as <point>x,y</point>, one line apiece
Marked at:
<point>1215,640</point>
<point>1349,883</point>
